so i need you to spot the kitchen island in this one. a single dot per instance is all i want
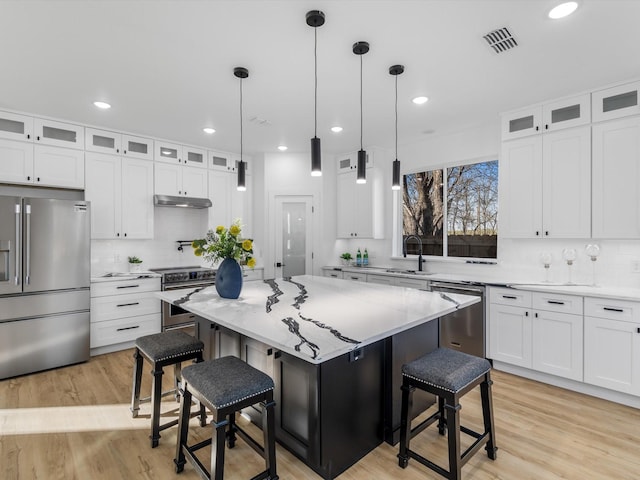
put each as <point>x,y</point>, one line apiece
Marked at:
<point>334,349</point>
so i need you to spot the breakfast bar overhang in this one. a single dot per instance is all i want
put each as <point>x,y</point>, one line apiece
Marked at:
<point>334,349</point>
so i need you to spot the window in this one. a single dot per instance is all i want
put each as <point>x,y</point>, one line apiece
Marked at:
<point>469,213</point>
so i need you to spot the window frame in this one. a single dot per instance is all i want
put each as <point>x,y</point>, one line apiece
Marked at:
<point>397,214</point>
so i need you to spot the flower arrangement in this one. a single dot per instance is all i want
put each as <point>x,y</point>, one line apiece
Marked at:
<point>225,243</point>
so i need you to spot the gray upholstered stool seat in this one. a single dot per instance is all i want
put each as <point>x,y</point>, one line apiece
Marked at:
<point>226,386</point>
<point>449,375</point>
<point>160,350</point>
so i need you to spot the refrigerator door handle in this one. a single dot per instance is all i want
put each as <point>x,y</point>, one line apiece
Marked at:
<point>27,273</point>
<point>17,246</point>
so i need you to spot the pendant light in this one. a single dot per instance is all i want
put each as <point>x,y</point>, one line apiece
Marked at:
<point>315,19</point>
<point>241,73</point>
<point>360,48</point>
<point>396,70</point>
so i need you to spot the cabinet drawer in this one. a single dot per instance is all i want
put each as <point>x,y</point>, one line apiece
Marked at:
<point>624,310</point>
<point>509,296</point>
<point>379,279</point>
<point>123,329</point>
<point>553,302</point>
<point>125,287</point>
<point>333,273</point>
<point>412,283</point>
<point>358,277</point>
<point>124,306</point>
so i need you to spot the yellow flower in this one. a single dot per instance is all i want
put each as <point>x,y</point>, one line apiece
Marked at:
<point>247,244</point>
<point>197,252</point>
<point>234,230</point>
<point>251,262</point>
<point>219,229</point>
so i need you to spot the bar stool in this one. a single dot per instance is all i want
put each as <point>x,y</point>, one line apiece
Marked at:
<point>161,350</point>
<point>449,375</point>
<point>226,385</point>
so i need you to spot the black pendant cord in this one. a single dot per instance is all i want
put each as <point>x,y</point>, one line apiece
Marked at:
<point>396,116</point>
<point>361,103</point>
<point>240,119</point>
<point>315,76</point>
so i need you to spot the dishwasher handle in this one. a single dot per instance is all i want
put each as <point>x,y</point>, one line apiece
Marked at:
<point>463,289</point>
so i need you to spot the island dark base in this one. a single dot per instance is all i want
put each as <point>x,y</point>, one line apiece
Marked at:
<point>332,414</point>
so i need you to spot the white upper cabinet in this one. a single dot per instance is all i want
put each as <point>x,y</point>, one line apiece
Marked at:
<point>522,123</point>
<point>120,190</point>
<point>180,180</point>
<point>349,162</point>
<point>616,177</point>
<point>168,152</point>
<point>545,185</point>
<point>547,117</point>
<point>60,134</point>
<point>58,167</point>
<point>115,143</point>
<point>16,127</point>
<point>566,113</point>
<point>16,164</point>
<point>194,157</point>
<point>616,102</point>
<point>137,147</point>
<point>221,161</point>
<point>228,203</point>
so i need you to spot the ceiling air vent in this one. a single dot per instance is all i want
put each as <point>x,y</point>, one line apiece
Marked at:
<point>500,40</point>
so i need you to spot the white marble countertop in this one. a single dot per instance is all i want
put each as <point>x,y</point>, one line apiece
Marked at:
<point>604,291</point>
<point>122,276</point>
<point>317,318</point>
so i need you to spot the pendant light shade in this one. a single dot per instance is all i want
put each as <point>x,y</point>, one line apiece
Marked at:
<point>241,73</point>
<point>396,70</point>
<point>315,19</point>
<point>360,48</point>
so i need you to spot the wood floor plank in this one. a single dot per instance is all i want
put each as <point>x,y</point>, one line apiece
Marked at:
<point>74,423</point>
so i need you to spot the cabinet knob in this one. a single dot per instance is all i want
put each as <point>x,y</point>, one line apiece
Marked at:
<point>185,192</point>
<point>537,128</point>
<point>29,178</point>
<point>37,179</point>
<point>117,150</point>
<point>125,234</point>
<point>638,329</point>
<point>118,234</point>
<point>179,192</point>
<point>28,136</point>
<point>546,126</point>
<point>526,314</point>
<point>537,233</point>
<point>546,233</point>
<point>38,138</point>
<point>125,152</point>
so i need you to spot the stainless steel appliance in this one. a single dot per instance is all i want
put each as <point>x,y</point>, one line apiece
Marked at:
<point>44,283</point>
<point>182,278</point>
<point>464,329</point>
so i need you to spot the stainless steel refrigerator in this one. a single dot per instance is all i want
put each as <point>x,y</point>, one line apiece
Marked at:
<point>44,283</point>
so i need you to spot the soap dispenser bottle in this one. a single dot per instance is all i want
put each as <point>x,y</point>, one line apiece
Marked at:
<point>358,259</point>
<point>365,258</point>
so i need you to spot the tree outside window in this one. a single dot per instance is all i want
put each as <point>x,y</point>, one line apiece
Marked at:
<point>470,210</point>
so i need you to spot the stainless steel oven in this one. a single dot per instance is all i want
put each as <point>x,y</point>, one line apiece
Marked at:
<point>174,318</point>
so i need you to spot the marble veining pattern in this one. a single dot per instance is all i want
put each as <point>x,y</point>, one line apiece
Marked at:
<point>317,318</point>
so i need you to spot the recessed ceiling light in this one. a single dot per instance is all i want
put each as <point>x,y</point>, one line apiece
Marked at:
<point>563,10</point>
<point>336,129</point>
<point>282,148</point>
<point>420,100</point>
<point>103,105</point>
<point>209,130</point>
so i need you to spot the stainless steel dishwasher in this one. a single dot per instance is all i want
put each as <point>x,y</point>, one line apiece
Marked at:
<point>464,329</point>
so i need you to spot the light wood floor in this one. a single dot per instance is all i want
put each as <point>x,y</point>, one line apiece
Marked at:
<point>74,423</point>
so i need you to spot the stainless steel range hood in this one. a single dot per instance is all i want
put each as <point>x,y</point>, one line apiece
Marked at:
<point>186,202</point>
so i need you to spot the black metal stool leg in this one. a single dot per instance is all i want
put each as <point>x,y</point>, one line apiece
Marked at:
<point>442,421</point>
<point>487,415</point>
<point>137,380</point>
<point>156,397</point>
<point>177,375</point>
<point>231,430</point>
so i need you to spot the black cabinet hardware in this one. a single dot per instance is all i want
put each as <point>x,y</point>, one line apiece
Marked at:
<point>555,302</point>
<point>128,304</point>
<point>610,309</point>
<point>127,328</point>
<point>509,297</point>
<point>129,286</point>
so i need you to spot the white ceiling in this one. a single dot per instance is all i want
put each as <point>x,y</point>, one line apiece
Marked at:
<point>167,66</point>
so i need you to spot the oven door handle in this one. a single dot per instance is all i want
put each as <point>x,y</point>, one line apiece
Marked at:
<point>168,288</point>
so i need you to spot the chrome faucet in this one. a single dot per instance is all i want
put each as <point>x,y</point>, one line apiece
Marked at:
<point>404,249</point>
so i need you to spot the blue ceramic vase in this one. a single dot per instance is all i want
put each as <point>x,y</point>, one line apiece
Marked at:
<point>229,279</point>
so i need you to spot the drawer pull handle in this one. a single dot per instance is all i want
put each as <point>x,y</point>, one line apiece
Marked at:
<point>555,302</point>
<point>128,304</point>
<point>509,297</point>
<point>127,328</point>
<point>610,309</point>
<point>129,286</point>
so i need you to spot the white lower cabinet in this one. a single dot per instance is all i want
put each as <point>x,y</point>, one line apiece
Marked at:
<point>537,330</point>
<point>358,277</point>
<point>612,344</point>
<point>122,311</point>
<point>333,273</point>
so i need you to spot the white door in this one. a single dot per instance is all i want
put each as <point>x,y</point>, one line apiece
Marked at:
<point>293,249</point>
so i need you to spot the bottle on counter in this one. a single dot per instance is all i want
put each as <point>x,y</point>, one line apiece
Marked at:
<point>358,258</point>
<point>365,258</point>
